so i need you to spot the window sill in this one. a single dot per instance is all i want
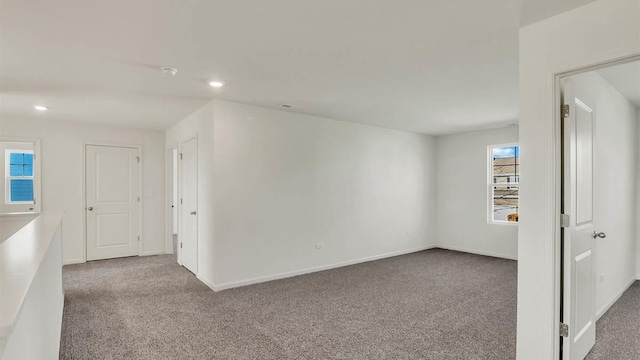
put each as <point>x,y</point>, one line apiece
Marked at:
<point>503,223</point>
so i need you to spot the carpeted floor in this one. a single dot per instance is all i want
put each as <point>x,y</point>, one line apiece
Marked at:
<point>434,304</point>
<point>618,330</point>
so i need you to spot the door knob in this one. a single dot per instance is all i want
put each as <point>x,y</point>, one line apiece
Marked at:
<point>90,208</point>
<point>193,213</point>
<point>600,235</point>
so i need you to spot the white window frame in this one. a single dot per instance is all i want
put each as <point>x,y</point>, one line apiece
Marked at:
<point>20,207</point>
<point>491,184</point>
<point>7,155</point>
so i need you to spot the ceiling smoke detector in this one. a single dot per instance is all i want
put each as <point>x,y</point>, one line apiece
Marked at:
<point>290,106</point>
<point>169,71</point>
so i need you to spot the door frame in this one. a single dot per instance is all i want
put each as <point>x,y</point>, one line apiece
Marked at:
<point>84,192</point>
<point>557,186</point>
<point>179,147</point>
<point>169,197</point>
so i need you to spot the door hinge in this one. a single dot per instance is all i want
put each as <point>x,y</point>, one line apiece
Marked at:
<point>180,245</point>
<point>565,221</point>
<point>180,200</point>
<point>34,201</point>
<point>566,110</point>
<point>138,237</point>
<point>180,156</point>
<point>564,330</point>
<point>138,198</point>
<point>138,157</point>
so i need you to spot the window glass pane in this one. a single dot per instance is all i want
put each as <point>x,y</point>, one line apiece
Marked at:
<point>28,170</point>
<point>15,170</point>
<point>28,159</point>
<point>506,164</point>
<point>15,159</point>
<point>505,203</point>
<point>21,190</point>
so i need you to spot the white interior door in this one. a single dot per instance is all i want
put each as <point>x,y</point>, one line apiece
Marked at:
<point>188,231</point>
<point>578,238</point>
<point>112,201</point>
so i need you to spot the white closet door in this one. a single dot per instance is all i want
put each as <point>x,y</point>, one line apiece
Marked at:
<point>112,202</point>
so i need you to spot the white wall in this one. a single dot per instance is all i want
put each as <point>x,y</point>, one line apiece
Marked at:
<point>615,183</point>
<point>601,31</point>
<point>462,203</point>
<point>285,182</point>
<point>200,124</point>
<point>638,199</point>
<point>35,335</point>
<point>62,169</point>
<point>10,224</point>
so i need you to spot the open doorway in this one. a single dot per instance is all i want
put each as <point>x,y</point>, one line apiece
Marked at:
<point>599,243</point>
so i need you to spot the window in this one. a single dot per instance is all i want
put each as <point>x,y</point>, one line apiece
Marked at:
<point>504,183</point>
<point>19,183</point>
<point>20,179</point>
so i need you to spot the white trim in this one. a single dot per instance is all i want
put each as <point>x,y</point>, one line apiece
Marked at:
<point>153,253</point>
<point>284,275</point>
<point>503,223</point>
<point>37,168</point>
<point>606,308</point>
<point>168,193</point>
<point>207,282</point>
<point>619,56</point>
<point>82,261</point>
<point>74,261</point>
<point>477,252</point>
<point>179,235</point>
<point>140,192</point>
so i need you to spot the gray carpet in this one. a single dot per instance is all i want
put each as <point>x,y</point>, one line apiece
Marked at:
<point>434,304</point>
<point>618,330</point>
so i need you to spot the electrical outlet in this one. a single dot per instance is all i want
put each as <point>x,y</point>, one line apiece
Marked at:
<point>319,246</point>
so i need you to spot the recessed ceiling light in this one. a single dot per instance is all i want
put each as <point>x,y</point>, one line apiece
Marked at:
<point>216,84</point>
<point>169,71</point>
<point>290,106</point>
<point>40,107</point>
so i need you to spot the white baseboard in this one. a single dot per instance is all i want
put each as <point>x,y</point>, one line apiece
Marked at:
<point>151,253</point>
<point>477,252</point>
<point>80,261</point>
<point>256,280</point>
<point>73,261</point>
<point>206,282</point>
<point>615,299</point>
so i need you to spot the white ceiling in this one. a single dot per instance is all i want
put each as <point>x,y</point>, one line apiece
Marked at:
<point>418,65</point>
<point>625,78</point>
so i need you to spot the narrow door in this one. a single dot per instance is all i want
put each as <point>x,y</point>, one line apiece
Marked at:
<point>578,238</point>
<point>188,232</point>
<point>112,202</point>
